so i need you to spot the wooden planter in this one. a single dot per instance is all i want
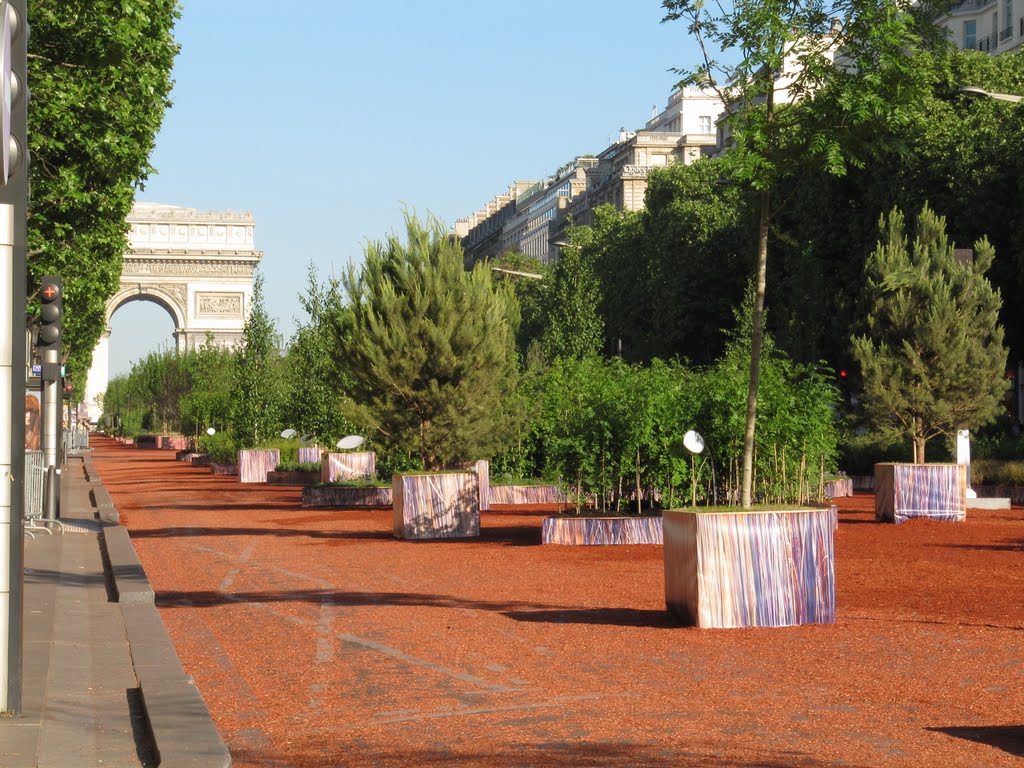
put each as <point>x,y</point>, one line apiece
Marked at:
<point>750,568</point>
<point>347,497</point>
<point>436,506</point>
<point>223,469</point>
<point>642,529</point>
<point>309,454</point>
<point>933,491</point>
<point>292,478</point>
<point>526,494</point>
<point>253,465</point>
<point>839,487</point>
<point>347,466</point>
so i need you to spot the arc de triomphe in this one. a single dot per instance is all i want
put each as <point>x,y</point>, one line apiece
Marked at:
<point>197,265</point>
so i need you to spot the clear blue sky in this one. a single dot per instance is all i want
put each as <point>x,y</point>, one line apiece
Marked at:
<point>323,118</point>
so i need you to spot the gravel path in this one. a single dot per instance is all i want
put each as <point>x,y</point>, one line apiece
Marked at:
<point>317,639</point>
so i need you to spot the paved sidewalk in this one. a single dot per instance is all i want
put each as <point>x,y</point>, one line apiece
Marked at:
<point>102,684</point>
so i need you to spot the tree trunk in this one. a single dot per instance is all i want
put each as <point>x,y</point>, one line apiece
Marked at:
<point>755,352</point>
<point>919,441</point>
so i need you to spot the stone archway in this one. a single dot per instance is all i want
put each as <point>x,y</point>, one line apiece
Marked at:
<point>198,266</point>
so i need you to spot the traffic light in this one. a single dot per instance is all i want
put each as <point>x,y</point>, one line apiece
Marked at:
<point>14,95</point>
<point>51,312</point>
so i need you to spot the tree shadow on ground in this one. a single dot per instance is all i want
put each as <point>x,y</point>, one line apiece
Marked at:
<point>1008,546</point>
<point>211,599</point>
<point>552,754</point>
<point>1009,738</point>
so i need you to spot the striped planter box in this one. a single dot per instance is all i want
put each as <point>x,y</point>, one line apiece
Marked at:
<point>436,506</point>
<point>292,478</point>
<point>309,454</point>
<point>933,491</point>
<point>840,487</point>
<point>347,497</point>
<point>253,465</point>
<point>347,466</point>
<point>526,494</point>
<point>644,529</point>
<point>175,443</point>
<point>750,568</point>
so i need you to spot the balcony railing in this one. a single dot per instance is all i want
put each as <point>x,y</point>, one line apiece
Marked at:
<point>988,43</point>
<point>1006,34</point>
<point>970,5</point>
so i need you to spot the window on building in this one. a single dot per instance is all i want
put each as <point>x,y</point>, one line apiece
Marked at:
<point>970,34</point>
<point>1008,18</point>
<point>705,123</point>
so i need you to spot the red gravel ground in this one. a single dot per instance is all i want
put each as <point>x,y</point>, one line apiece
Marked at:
<point>317,639</point>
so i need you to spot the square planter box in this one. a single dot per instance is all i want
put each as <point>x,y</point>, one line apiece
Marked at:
<point>933,491</point>
<point>750,568</point>
<point>309,453</point>
<point>641,529</point>
<point>436,506</point>
<point>253,465</point>
<point>347,466</point>
<point>839,487</point>
<point>347,497</point>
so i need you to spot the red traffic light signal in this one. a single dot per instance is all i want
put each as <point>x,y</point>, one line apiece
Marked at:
<point>51,311</point>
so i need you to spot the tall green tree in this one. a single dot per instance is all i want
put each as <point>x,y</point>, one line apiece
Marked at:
<point>849,55</point>
<point>572,295</point>
<point>932,357</point>
<point>100,76</point>
<point>313,382</point>
<point>428,347</point>
<point>257,393</point>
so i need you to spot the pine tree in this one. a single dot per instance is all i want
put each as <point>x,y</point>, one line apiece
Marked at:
<point>932,359</point>
<point>428,346</point>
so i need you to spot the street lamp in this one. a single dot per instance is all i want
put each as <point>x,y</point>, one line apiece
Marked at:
<point>532,275</point>
<point>973,90</point>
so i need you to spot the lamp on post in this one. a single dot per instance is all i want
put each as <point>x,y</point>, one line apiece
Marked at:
<point>973,90</point>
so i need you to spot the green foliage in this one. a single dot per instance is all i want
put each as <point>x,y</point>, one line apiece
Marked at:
<point>100,75</point>
<point>207,400</point>
<point>997,472</point>
<point>932,357</point>
<point>220,447</point>
<point>313,383</point>
<point>530,294</point>
<point>572,326</point>
<point>428,348</point>
<point>256,406</point>
<point>298,466</point>
<point>672,273</point>
<point>611,432</point>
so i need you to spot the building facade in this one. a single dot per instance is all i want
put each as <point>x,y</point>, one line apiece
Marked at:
<point>532,218</point>
<point>992,26</point>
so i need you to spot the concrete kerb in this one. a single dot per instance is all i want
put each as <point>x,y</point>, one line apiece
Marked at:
<point>182,728</point>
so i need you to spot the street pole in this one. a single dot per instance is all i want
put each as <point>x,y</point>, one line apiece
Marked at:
<point>14,163</point>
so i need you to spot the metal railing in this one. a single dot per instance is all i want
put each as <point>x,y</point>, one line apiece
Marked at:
<point>35,473</point>
<point>988,43</point>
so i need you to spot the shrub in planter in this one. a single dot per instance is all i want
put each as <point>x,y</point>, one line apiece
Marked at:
<point>220,447</point>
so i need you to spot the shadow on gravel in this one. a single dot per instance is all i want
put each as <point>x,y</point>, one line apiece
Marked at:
<point>1010,546</point>
<point>209,599</point>
<point>618,617</point>
<point>511,536</point>
<point>1009,738</point>
<point>554,754</point>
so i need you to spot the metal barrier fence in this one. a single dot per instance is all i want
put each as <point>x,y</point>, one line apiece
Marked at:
<point>35,475</point>
<point>75,440</point>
